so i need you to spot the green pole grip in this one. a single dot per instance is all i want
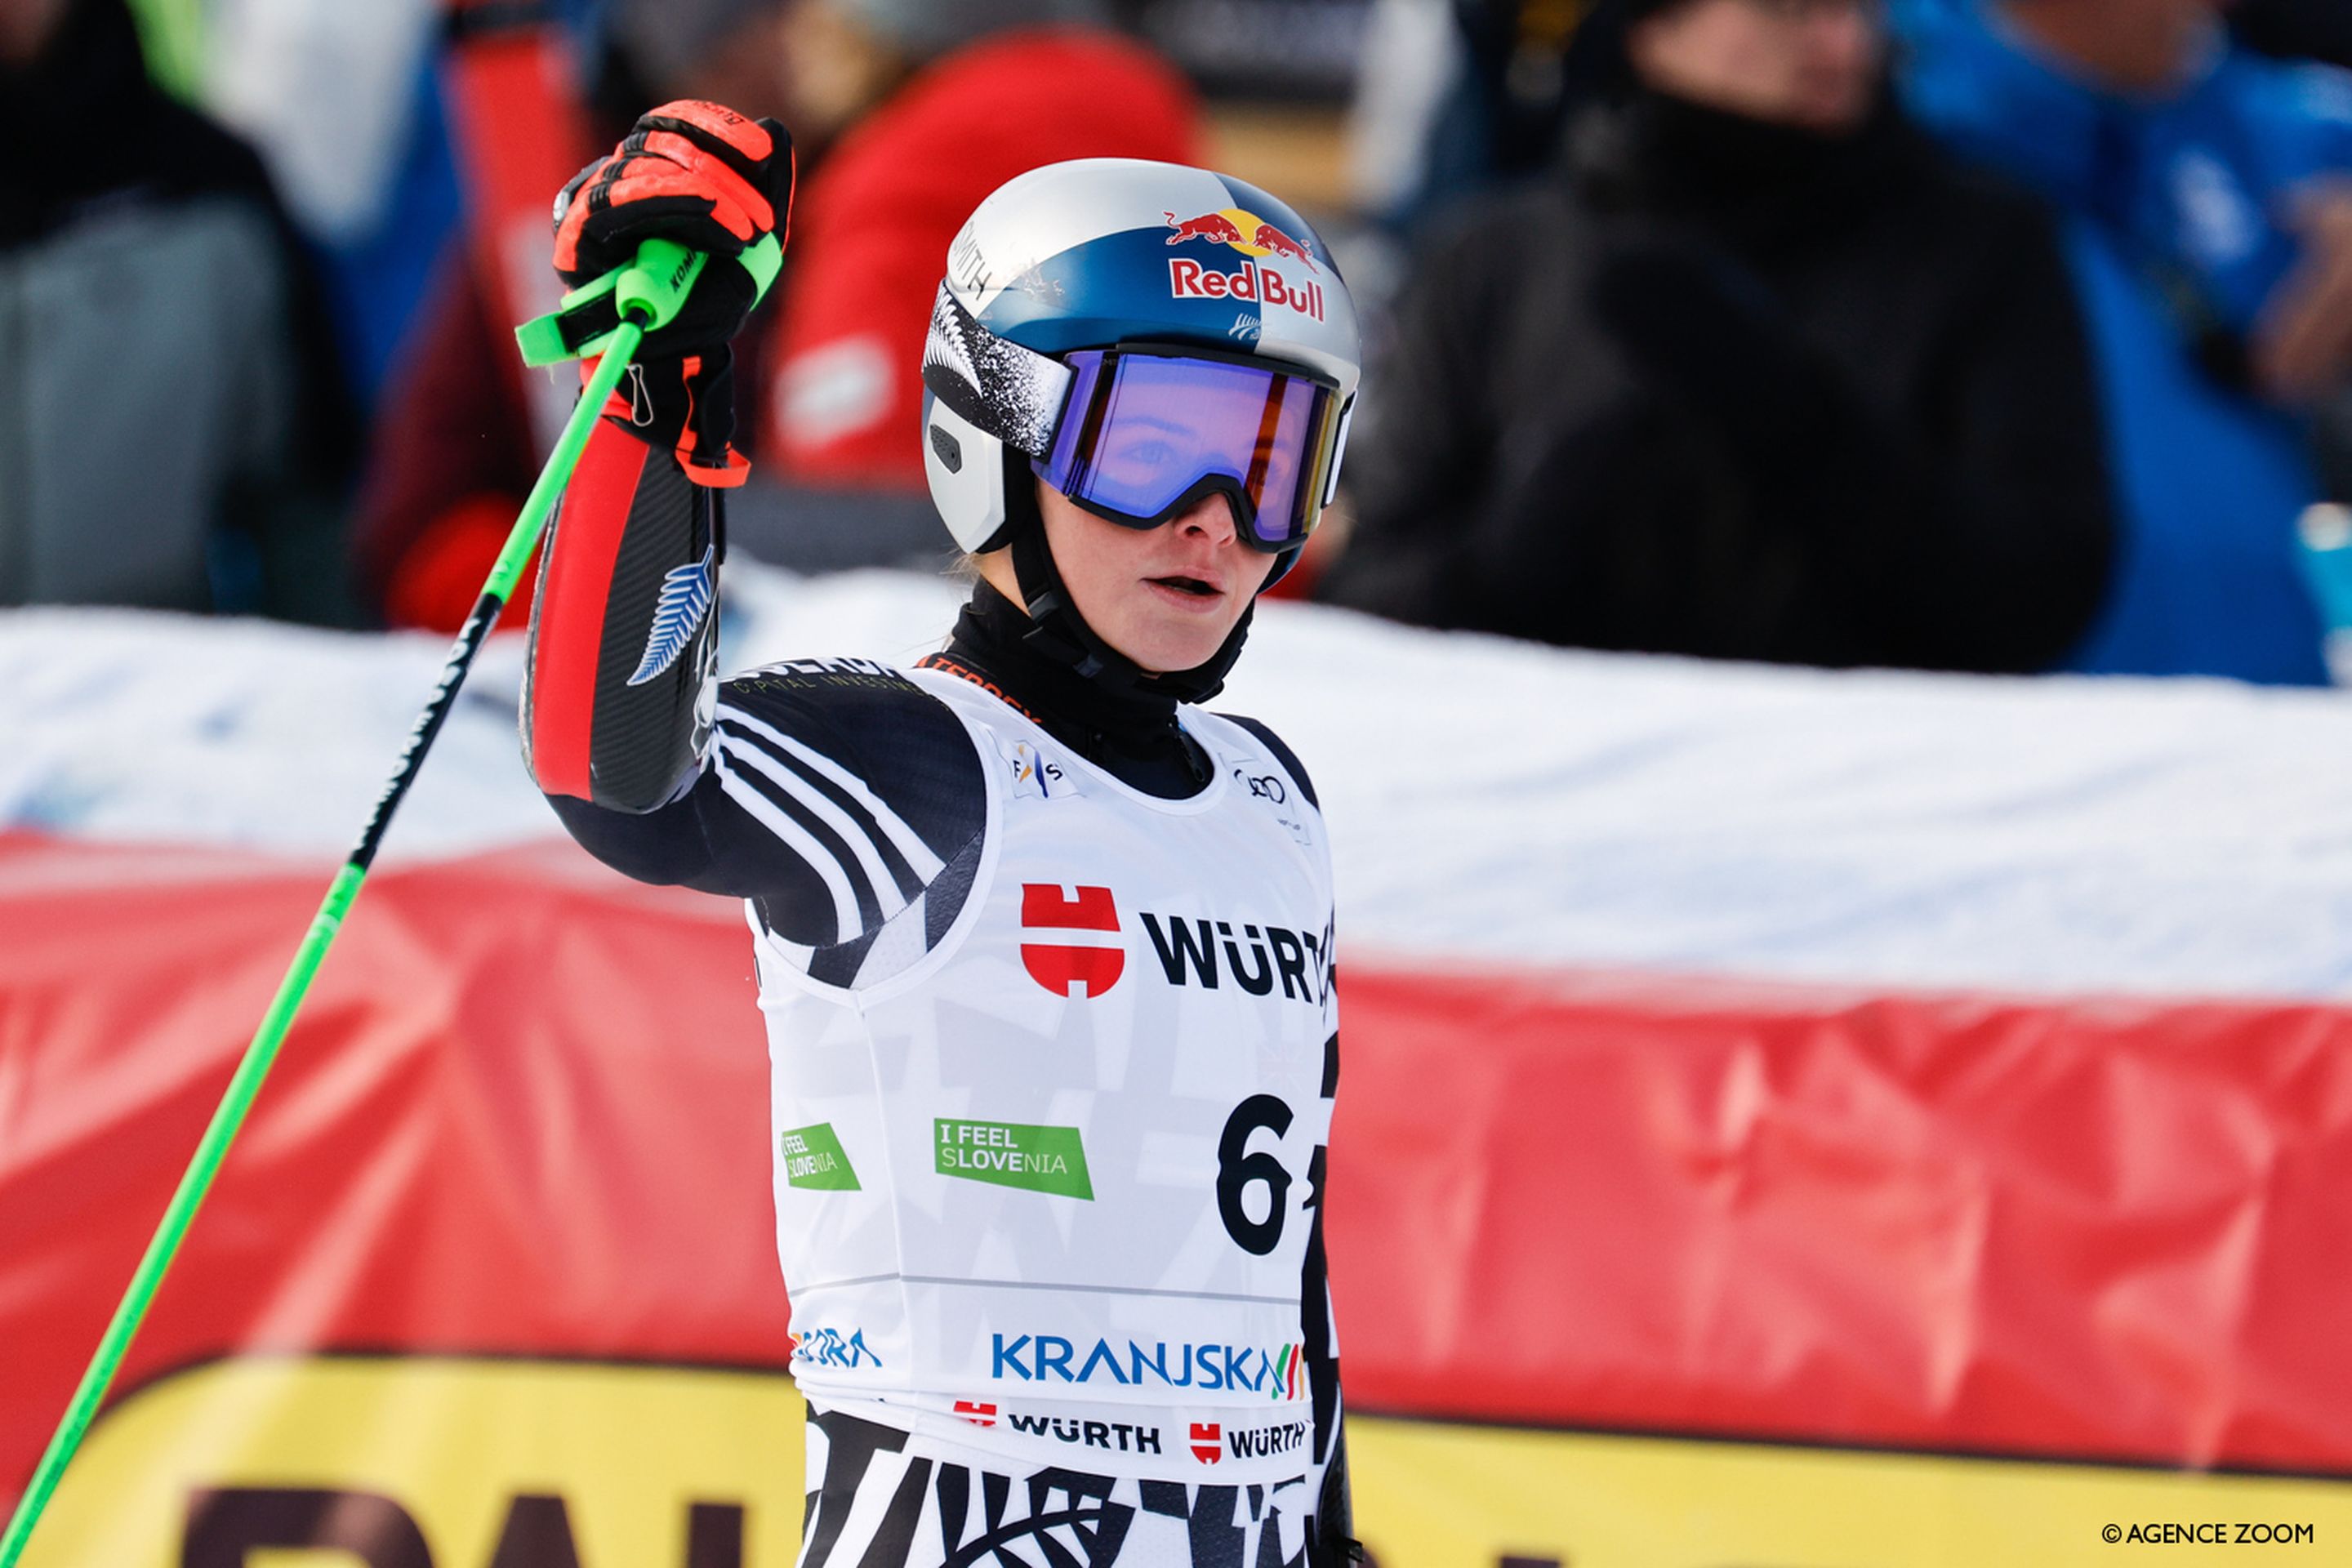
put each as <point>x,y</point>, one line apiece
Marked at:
<point>652,289</point>
<point>658,282</point>
<point>663,287</point>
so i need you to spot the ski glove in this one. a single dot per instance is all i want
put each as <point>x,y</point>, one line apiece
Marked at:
<point>693,173</point>
<point>715,182</point>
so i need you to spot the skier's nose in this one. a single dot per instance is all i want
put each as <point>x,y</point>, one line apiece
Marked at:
<point>1212,515</point>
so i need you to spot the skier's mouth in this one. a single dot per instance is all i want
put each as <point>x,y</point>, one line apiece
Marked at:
<point>1194,586</point>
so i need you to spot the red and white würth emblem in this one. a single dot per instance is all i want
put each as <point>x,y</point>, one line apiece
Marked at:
<point>1086,949</point>
<point>1208,1441</point>
<point>978,1412</point>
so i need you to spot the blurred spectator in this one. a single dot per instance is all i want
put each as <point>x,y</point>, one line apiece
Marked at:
<point>2297,29</point>
<point>914,110</point>
<point>1756,375</point>
<point>924,106</point>
<point>2209,194</point>
<point>177,435</point>
<point>1456,97</point>
<point>464,426</point>
<point>339,100</point>
<point>936,114</point>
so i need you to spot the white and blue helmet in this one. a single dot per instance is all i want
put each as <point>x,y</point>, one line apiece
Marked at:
<point>1135,256</point>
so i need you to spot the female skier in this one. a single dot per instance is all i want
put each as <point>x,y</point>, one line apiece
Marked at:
<point>1045,949</point>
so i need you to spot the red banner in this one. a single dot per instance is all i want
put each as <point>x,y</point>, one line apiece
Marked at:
<point>2097,1228</point>
<point>524,1114</point>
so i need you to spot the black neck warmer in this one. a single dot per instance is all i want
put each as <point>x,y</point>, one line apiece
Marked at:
<point>1126,727</point>
<point>1085,693</point>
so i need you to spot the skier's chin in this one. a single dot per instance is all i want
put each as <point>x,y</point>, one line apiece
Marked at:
<point>1165,598</point>
<point>1161,633</point>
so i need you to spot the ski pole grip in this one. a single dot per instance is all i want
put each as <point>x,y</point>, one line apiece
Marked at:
<point>653,287</point>
<point>648,293</point>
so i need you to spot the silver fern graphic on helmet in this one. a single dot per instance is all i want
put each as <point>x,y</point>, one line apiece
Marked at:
<point>1002,388</point>
<point>686,594</point>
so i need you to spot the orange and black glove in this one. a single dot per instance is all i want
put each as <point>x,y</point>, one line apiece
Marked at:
<point>713,181</point>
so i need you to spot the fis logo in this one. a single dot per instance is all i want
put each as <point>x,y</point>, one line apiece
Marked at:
<point>1208,1441</point>
<point>1038,777</point>
<point>1084,956</point>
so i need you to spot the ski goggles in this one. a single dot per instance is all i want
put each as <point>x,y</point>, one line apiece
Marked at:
<point>1141,433</point>
<point>1146,433</point>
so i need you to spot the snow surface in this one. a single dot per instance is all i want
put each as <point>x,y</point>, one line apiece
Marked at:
<point>1488,800</point>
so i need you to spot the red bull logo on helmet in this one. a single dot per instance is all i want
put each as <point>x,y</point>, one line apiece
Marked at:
<point>1254,282</point>
<point>1245,231</point>
<point>1258,282</point>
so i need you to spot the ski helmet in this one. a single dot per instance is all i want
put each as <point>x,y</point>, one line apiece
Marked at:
<point>1085,289</point>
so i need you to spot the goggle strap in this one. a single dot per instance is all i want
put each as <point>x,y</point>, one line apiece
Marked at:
<point>1338,452</point>
<point>1001,388</point>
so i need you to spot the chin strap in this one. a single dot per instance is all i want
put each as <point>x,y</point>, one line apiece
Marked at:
<point>1062,635</point>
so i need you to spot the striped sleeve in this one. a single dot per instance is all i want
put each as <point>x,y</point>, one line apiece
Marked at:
<point>844,801</point>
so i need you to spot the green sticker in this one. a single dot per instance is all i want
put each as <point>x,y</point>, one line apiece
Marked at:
<point>1010,1154</point>
<point>813,1160</point>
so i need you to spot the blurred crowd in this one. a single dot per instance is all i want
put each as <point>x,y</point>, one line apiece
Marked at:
<point>2002,335</point>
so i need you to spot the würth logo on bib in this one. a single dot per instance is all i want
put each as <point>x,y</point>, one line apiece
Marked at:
<point>1073,947</point>
<point>1208,1442</point>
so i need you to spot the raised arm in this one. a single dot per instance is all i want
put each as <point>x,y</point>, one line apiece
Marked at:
<point>632,555</point>
<point>834,793</point>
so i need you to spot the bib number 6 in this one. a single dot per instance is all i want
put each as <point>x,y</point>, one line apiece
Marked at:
<point>1238,1170</point>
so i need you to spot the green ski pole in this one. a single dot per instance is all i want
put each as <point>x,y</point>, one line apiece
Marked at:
<point>646,294</point>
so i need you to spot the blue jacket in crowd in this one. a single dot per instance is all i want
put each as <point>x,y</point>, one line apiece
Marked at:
<point>2178,214</point>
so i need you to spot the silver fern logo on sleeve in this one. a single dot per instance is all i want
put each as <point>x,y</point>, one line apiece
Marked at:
<point>686,594</point>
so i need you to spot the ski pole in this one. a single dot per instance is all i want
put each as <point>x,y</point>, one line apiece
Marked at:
<point>645,294</point>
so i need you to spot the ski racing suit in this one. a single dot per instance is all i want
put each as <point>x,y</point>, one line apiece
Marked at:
<point>1054,1051</point>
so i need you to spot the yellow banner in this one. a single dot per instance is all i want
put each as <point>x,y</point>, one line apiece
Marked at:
<point>423,1462</point>
<point>1430,1496</point>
